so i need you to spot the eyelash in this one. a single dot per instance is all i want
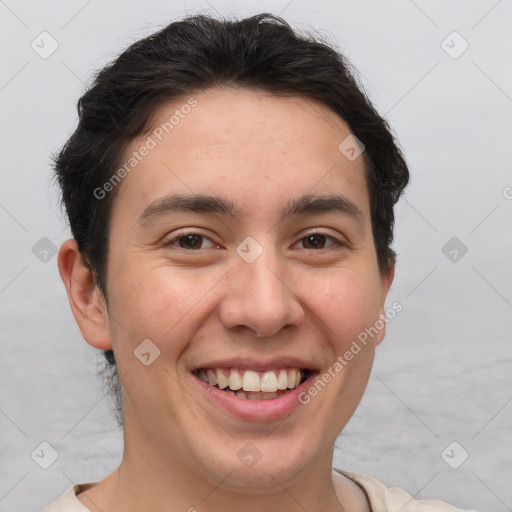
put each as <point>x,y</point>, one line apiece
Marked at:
<point>171,242</point>
<point>174,240</point>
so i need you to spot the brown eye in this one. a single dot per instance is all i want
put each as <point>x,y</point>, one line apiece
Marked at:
<point>190,241</point>
<point>314,241</point>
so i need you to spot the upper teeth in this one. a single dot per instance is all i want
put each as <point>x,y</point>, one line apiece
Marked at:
<point>248,380</point>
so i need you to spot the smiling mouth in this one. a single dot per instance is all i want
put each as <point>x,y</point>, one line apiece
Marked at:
<point>251,385</point>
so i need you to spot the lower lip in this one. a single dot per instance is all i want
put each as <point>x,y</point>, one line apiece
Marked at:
<point>256,410</point>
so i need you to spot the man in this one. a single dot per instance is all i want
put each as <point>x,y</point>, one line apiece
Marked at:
<point>230,190</point>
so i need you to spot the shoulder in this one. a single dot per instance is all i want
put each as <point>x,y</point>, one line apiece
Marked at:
<point>393,499</point>
<point>68,502</point>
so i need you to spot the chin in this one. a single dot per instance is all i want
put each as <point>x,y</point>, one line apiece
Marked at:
<point>258,466</point>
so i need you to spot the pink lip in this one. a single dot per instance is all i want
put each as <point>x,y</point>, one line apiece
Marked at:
<point>256,410</point>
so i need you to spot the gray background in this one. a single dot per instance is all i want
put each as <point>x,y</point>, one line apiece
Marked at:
<point>443,373</point>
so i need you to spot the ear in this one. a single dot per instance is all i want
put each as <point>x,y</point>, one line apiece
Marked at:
<point>85,298</point>
<point>387,279</point>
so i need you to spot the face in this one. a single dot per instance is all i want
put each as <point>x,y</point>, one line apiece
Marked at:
<point>242,240</point>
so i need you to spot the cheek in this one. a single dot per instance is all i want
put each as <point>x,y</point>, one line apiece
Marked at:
<point>345,302</point>
<point>159,305</point>
<point>341,306</point>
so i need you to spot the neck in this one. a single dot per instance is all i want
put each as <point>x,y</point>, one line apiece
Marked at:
<point>138,487</point>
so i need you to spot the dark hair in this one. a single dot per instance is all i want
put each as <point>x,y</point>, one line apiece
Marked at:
<point>190,56</point>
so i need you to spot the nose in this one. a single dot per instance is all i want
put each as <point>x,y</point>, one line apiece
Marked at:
<point>260,297</point>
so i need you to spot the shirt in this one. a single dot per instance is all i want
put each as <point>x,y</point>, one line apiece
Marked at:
<point>381,498</point>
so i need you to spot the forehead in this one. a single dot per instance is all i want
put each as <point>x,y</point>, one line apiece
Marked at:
<point>268,125</point>
<point>246,143</point>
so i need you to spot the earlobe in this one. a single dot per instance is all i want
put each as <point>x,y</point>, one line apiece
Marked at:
<point>86,300</point>
<point>387,279</point>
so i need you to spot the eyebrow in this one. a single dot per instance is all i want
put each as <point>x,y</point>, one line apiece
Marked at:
<point>199,203</point>
<point>323,204</point>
